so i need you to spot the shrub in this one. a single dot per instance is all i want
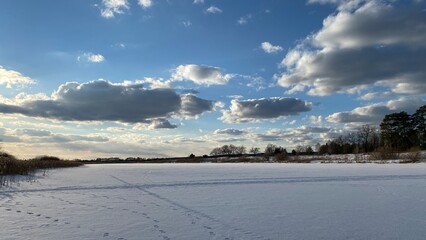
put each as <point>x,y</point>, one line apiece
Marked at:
<point>414,155</point>
<point>411,157</point>
<point>383,154</point>
<point>281,157</point>
<point>47,158</point>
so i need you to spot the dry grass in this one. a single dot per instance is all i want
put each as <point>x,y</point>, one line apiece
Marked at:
<point>10,166</point>
<point>413,156</point>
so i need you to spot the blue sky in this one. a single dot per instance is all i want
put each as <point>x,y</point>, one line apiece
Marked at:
<point>170,78</point>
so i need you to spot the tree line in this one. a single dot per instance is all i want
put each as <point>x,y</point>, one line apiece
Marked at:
<point>270,150</point>
<point>397,132</point>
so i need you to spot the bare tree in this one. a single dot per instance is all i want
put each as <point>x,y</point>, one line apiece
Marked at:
<point>300,148</point>
<point>365,133</point>
<point>254,150</point>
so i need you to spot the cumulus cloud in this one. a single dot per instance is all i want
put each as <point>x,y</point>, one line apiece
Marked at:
<point>230,131</point>
<point>157,83</point>
<point>373,23</point>
<point>370,43</point>
<point>262,109</point>
<point>374,113</point>
<point>201,75</point>
<point>213,10</point>
<point>193,106</point>
<point>159,123</point>
<point>198,1</point>
<point>269,48</point>
<point>111,7</point>
<point>11,78</point>
<point>105,101</point>
<point>91,57</point>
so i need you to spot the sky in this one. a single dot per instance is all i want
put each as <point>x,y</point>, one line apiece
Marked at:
<point>158,78</point>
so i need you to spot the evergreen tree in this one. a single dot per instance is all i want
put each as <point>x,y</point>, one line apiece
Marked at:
<point>396,131</point>
<point>419,126</point>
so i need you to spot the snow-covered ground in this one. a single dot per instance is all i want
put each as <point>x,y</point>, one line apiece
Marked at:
<point>219,201</point>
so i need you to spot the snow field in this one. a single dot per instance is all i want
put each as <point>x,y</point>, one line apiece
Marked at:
<point>219,201</point>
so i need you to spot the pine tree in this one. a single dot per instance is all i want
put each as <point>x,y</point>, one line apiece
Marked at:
<point>396,131</point>
<point>419,126</point>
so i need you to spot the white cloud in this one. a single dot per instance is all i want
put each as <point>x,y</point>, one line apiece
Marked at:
<point>187,23</point>
<point>263,109</point>
<point>374,113</point>
<point>373,95</point>
<point>91,57</point>
<point>269,48</point>
<point>296,88</point>
<point>256,82</point>
<point>156,83</point>
<point>145,3</point>
<point>111,7</point>
<point>244,19</point>
<point>22,97</point>
<point>201,75</point>
<point>198,1</point>
<point>213,10</point>
<point>11,78</point>
<point>345,5</point>
<point>364,43</point>
<point>307,129</point>
<point>96,58</point>
<point>317,120</point>
<point>159,123</point>
<point>304,135</point>
<point>235,96</point>
<point>45,136</point>
<point>373,23</point>
<point>120,45</point>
